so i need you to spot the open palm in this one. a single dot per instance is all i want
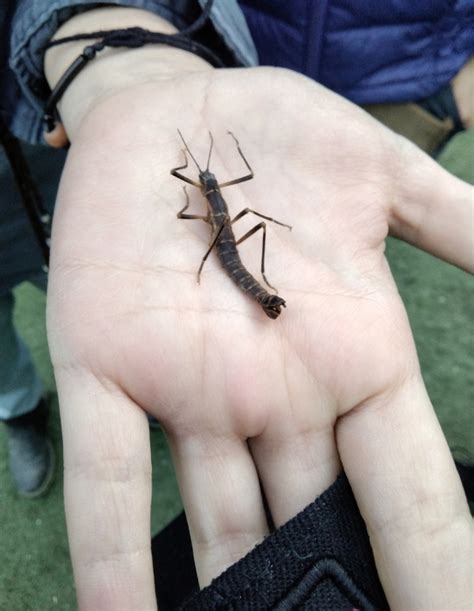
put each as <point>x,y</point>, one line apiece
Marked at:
<point>247,403</point>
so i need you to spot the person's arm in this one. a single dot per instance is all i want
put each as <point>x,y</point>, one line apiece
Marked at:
<point>113,69</point>
<point>246,403</point>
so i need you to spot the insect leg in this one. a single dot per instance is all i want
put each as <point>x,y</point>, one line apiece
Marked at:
<point>263,227</point>
<point>268,218</point>
<point>213,243</point>
<point>236,181</point>
<point>210,151</point>
<point>175,172</point>
<point>180,214</point>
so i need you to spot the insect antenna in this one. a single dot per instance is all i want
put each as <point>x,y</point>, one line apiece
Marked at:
<point>187,148</point>
<point>210,151</point>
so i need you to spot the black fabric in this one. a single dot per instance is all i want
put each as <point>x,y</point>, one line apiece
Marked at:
<point>321,559</point>
<point>8,87</point>
<point>173,564</point>
<point>466,473</point>
<point>31,198</point>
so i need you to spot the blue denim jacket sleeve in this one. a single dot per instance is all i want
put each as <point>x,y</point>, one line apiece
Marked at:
<point>35,22</point>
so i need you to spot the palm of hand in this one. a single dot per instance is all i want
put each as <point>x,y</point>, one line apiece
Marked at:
<point>205,360</point>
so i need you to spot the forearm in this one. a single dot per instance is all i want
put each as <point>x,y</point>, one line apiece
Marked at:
<point>113,69</point>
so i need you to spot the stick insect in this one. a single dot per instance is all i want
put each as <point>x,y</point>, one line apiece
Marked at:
<point>222,236</point>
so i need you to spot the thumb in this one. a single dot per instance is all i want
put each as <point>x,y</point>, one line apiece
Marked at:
<point>432,209</point>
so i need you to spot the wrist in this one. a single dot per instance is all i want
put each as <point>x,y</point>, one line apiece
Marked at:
<point>114,69</point>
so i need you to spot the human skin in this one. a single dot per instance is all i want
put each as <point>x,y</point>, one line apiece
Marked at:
<point>246,402</point>
<point>463,91</point>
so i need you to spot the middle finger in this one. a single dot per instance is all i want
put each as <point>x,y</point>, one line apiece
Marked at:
<point>222,497</point>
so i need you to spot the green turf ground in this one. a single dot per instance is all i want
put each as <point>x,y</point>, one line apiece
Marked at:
<point>35,571</point>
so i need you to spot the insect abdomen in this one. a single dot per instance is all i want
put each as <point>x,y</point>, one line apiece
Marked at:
<point>231,262</point>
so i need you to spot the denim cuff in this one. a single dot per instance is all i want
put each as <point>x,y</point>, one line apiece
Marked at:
<point>36,21</point>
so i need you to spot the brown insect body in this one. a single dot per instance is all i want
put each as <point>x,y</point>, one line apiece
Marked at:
<point>226,248</point>
<point>223,238</point>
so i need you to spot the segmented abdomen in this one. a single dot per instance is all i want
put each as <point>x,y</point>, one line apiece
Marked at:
<point>231,262</point>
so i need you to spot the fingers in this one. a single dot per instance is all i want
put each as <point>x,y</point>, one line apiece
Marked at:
<point>295,465</point>
<point>433,209</point>
<point>410,496</point>
<point>107,485</point>
<point>294,459</point>
<point>223,501</point>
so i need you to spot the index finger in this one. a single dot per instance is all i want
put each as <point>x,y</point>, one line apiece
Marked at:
<point>107,487</point>
<point>410,496</point>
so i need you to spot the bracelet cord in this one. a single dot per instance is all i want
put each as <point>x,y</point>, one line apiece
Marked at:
<point>38,217</point>
<point>132,38</point>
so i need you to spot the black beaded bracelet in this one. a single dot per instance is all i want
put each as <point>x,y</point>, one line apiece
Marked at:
<point>134,37</point>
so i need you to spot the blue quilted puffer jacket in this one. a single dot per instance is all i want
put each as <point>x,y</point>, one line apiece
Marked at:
<point>367,50</point>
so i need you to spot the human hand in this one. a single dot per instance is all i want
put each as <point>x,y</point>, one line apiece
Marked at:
<point>245,400</point>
